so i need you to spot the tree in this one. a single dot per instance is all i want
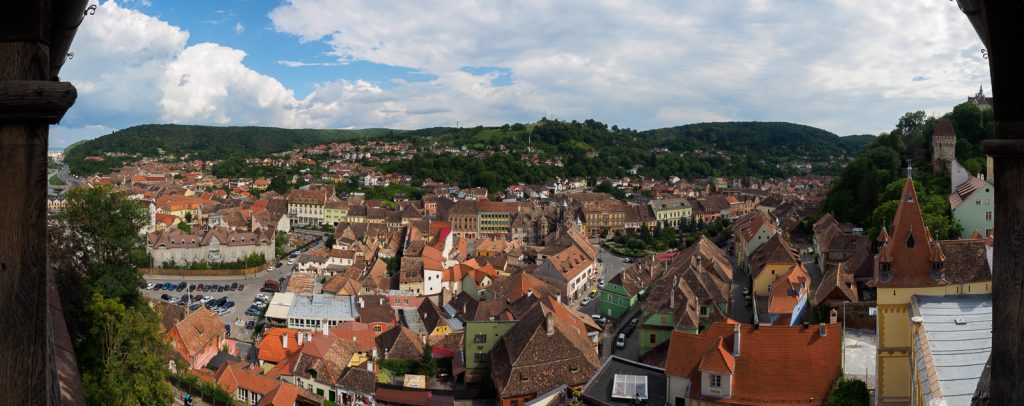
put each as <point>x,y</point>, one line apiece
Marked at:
<point>107,224</point>
<point>849,392</point>
<point>329,242</point>
<point>427,365</point>
<point>122,361</point>
<point>183,226</point>
<point>188,217</point>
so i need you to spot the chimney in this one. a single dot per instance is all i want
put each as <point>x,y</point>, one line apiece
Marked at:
<point>284,340</point>
<point>558,298</point>
<point>382,301</point>
<point>309,337</point>
<point>549,324</point>
<point>369,366</point>
<point>362,303</point>
<point>736,340</point>
<point>821,329</point>
<point>326,326</point>
<point>833,316</point>
<point>529,293</point>
<point>300,336</point>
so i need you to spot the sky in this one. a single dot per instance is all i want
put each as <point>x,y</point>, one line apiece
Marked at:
<point>846,66</point>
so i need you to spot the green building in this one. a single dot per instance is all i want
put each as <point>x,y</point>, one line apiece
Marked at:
<point>623,291</point>
<point>480,337</point>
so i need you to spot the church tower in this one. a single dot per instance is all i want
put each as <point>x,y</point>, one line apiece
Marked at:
<point>943,146</point>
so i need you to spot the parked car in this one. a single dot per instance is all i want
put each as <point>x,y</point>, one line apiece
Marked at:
<point>165,296</point>
<point>234,286</point>
<point>228,305</point>
<point>633,322</point>
<point>585,301</point>
<point>181,286</point>
<point>191,288</point>
<point>746,291</point>
<point>250,324</point>
<point>241,287</point>
<point>201,287</point>
<point>158,286</point>
<point>194,306</point>
<point>598,318</point>
<point>628,330</point>
<point>222,288</point>
<point>260,296</point>
<point>252,312</point>
<point>620,341</point>
<point>150,286</point>
<point>593,293</point>
<point>278,264</point>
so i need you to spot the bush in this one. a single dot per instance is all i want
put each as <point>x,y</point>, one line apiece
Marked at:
<point>849,392</point>
<point>399,366</point>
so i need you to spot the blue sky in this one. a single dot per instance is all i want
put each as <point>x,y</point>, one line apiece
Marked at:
<point>835,64</point>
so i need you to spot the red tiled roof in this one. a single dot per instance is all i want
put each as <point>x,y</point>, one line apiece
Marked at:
<point>718,359</point>
<point>772,365</point>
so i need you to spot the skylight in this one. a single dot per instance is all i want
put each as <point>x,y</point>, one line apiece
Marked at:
<point>629,387</point>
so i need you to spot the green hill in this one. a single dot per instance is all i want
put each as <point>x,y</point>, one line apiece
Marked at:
<point>588,148</point>
<point>202,142</point>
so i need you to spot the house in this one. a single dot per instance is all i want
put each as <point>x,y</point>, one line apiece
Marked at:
<point>910,263</point>
<point>622,291</point>
<point>673,212</point>
<point>972,201</point>
<point>376,312</point>
<point>276,345</point>
<point>400,343</point>
<point>790,294</point>
<point>306,205</point>
<point>218,245</point>
<point>198,337</point>
<point>693,293</point>
<point>571,271</point>
<point>622,382</point>
<point>463,217</point>
<point>247,387</point>
<point>751,231</point>
<point>836,287</point>
<point>481,336</point>
<point>769,261</point>
<point>311,311</point>
<point>952,341</point>
<point>741,364</point>
<point>539,353</point>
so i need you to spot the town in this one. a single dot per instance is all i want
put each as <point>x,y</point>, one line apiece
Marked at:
<point>706,290</point>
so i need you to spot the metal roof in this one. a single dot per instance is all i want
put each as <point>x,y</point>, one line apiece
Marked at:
<point>952,344</point>
<point>319,306</point>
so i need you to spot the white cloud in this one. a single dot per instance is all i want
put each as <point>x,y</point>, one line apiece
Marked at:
<point>239,28</point>
<point>651,64</point>
<point>834,64</point>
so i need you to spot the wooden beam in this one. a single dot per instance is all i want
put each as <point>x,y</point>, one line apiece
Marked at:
<point>35,100</point>
<point>1005,22</point>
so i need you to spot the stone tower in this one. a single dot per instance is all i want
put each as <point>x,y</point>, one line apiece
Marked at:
<point>943,146</point>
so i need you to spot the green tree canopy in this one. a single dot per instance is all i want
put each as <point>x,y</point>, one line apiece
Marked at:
<point>122,363</point>
<point>107,223</point>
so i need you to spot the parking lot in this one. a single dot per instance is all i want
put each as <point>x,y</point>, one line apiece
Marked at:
<point>243,298</point>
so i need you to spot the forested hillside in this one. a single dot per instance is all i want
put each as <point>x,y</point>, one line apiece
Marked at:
<point>202,142</point>
<point>867,191</point>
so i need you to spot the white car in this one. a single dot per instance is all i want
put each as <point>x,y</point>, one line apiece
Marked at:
<point>260,296</point>
<point>150,286</point>
<point>620,341</point>
<point>585,301</point>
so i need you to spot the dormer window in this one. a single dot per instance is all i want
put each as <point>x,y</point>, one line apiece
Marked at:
<point>910,241</point>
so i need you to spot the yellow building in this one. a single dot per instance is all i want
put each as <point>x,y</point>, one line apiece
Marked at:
<point>910,263</point>
<point>335,211</point>
<point>771,260</point>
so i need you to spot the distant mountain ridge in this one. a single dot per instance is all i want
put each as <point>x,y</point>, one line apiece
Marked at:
<point>764,142</point>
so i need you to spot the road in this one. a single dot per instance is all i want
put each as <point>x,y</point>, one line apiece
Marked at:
<point>608,266</point>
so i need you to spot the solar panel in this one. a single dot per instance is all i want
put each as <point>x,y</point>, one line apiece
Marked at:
<point>629,387</point>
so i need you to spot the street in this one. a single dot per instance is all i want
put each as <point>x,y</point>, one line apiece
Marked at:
<point>608,266</point>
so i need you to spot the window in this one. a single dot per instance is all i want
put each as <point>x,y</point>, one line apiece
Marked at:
<point>654,338</point>
<point>716,381</point>
<point>377,329</point>
<point>977,202</point>
<point>480,338</point>
<point>988,216</point>
<point>910,241</point>
<point>480,357</point>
